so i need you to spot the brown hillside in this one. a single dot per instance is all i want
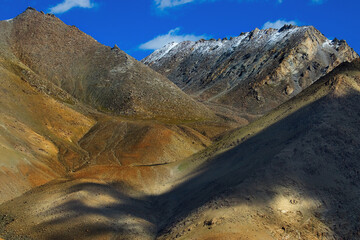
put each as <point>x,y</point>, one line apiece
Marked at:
<point>46,130</point>
<point>290,174</point>
<point>103,77</point>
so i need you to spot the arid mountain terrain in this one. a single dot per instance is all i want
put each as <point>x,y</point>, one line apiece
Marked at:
<point>253,72</point>
<point>96,145</point>
<point>103,77</point>
<point>51,125</point>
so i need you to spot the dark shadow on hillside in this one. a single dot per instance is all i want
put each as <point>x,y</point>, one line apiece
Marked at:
<point>315,148</point>
<point>111,212</point>
<point>322,136</point>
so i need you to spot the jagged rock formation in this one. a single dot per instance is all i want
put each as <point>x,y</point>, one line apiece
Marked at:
<point>103,77</point>
<point>255,71</point>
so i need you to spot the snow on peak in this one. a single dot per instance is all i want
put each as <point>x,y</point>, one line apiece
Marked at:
<point>158,54</point>
<point>254,38</point>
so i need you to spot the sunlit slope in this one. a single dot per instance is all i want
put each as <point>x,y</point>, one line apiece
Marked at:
<point>105,78</point>
<point>38,134</point>
<point>47,71</point>
<point>290,174</point>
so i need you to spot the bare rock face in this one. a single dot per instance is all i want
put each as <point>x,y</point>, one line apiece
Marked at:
<point>103,77</point>
<point>255,71</point>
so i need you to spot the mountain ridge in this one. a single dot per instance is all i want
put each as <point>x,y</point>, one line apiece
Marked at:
<point>49,131</point>
<point>95,74</point>
<point>255,71</point>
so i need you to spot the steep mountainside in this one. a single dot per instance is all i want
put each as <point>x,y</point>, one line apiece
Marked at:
<point>291,174</point>
<point>37,133</point>
<point>103,77</point>
<point>253,72</point>
<point>49,127</point>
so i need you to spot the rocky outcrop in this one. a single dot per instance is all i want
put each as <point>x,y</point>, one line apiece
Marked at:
<point>255,71</point>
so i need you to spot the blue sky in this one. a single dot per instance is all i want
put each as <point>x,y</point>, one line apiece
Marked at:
<point>140,26</point>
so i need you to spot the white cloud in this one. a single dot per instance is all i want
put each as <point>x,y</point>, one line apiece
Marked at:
<point>278,24</point>
<point>171,36</point>
<point>69,4</point>
<point>170,3</point>
<point>317,1</point>
<point>312,1</point>
<point>162,4</point>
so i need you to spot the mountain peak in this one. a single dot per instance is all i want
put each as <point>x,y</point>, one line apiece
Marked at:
<point>287,27</point>
<point>272,35</point>
<point>107,79</point>
<point>30,9</point>
<point>244,71</point>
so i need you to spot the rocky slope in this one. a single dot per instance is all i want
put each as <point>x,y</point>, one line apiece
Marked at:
<point>253,72</point>
<point>52,125</point>
<point>103,77</point>
<point>291,174</point>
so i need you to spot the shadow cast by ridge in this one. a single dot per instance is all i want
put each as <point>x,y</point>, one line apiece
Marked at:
<point>314,151</point>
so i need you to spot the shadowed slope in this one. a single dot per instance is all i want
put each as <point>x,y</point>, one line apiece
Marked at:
<point>290,174</point>
<point>293,176</point>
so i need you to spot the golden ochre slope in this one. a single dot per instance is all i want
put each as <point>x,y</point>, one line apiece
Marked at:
<point>119,173</point>
<point>35,131</point>
<point>52,75</point>
<point>291,174</point>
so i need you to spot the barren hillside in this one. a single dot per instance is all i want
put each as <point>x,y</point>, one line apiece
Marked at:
<point>49,129</point>
<point>290,174</point>
<point>103,77</point>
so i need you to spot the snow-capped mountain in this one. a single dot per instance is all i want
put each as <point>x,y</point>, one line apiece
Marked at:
<point>255,71</point>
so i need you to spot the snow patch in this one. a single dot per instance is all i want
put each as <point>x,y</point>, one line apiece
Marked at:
<point>327,43</point>
<point>256,38</point>
<point>158,54</point>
